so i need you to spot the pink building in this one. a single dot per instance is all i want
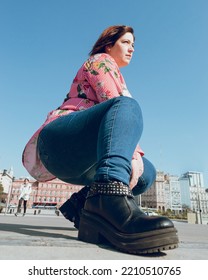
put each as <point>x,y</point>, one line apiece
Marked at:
<point>52,193</point>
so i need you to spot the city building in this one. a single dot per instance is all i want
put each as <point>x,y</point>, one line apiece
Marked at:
<point>172,193</point>
<point>154,197</point>
<point>194,193</point>
<point>185,191</point>
<point>6,178</point>
<point>177,193</point>
<point>164,194</point>
<point>51,194</point>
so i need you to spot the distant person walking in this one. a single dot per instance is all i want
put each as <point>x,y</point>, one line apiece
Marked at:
<point>25,191</point>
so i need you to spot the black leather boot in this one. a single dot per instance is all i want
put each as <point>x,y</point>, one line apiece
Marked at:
<point>72,208</point>
<point>111,212</point>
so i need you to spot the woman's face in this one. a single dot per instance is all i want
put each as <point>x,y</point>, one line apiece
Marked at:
<point>122,50</point>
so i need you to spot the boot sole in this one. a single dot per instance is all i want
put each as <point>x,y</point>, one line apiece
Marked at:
<point>93,229</point>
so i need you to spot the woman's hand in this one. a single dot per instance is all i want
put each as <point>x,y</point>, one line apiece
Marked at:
<point>136,172</point>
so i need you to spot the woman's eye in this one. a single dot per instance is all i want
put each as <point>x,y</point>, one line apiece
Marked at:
<point>128,42</point>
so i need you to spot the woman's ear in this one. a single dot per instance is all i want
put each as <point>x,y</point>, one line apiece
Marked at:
<point>107,49</point>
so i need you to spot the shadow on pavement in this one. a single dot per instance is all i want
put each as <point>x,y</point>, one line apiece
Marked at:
<point>44,231</point>
<point>58,232</point>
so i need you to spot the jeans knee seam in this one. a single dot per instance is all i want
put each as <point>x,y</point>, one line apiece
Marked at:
<point>110,142</point>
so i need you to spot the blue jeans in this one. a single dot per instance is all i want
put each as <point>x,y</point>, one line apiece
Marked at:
<point>96,144</point>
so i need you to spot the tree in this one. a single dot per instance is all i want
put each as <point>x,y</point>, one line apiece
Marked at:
<point>186,208</point>
<point>2,198</point>
<point>2,194</point>
<point>1,188</point>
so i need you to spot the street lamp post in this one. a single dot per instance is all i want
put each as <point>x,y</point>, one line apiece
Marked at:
<point>199,207</point>
<point>206,190</point>
<point>199,204</point>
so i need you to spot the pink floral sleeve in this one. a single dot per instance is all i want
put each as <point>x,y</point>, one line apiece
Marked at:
<point>104,76</point>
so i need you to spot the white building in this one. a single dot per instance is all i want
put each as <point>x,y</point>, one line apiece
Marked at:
<point>173,194</point>
<point>196,196</point>
<point>6,178</point>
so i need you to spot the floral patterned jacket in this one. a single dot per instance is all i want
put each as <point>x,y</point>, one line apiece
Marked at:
<point>98,80</point>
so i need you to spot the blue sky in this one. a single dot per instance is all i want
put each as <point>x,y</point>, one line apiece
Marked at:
<point>44,42</point>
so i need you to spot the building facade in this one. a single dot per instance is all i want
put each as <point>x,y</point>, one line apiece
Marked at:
<point>164,194</point>
<point>6,178</point>
<point>177,193</point>
<point>196,195</point>
<point>172,193</point>
<point>155,197</point>
<point>44,194</point>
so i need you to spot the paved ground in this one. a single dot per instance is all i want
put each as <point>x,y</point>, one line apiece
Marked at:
<point>44,237</point>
